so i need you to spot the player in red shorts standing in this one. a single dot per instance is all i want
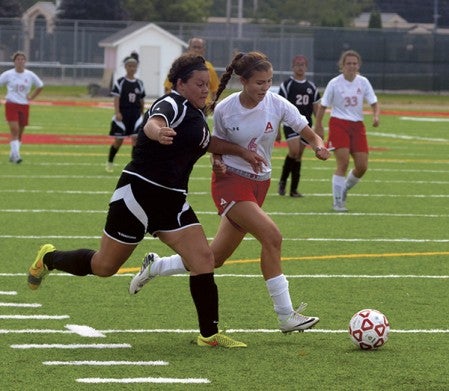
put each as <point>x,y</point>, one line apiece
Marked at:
<point>347,134</point>
<point>19,82</point>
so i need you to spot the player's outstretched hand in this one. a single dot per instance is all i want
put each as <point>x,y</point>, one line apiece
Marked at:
<point>322,153</point>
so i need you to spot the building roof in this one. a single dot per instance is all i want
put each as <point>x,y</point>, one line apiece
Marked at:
<point>134,29</point>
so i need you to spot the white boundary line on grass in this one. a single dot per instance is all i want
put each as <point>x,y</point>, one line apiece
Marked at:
<point>107,363</point>
<point>158,380</point>
<point>366,240</point>
<point>218,275</point>
<point>177,331</point>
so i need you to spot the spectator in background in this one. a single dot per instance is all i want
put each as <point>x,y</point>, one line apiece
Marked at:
<point>304,95</point>
<point>198,46</point>
<point>129,105</point>
<point>19,82</point>
<point>347,133</point>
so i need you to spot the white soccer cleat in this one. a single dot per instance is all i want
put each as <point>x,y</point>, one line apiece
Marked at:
<point>297,321</point>
<point>144,276</point>
<point>340,207</point>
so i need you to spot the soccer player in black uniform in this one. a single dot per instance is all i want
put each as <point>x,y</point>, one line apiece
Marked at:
<point>151,197</point>
<point>305,96</point>
<point>129,105</point>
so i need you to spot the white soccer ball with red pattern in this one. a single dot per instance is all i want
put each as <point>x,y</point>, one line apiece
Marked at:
<point>369,329</point>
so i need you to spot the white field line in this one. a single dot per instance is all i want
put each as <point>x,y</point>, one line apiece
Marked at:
<point>107,363</point>
<point>84,331</point>
<point>72,346</point>
<point>155,380</point>
<point>23,305</point>
<point>181,331</point>
<point>8,293</point>
<point>424,119</point>
<point>312,168</point>
<point>35,317</point>
<point>366,240</point>
<point>407,137</point>
<point>362,214</point>
<point>219,275</point>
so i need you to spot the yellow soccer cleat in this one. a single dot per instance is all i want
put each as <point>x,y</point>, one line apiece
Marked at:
<point>38,270</point>
<point>219,340</point>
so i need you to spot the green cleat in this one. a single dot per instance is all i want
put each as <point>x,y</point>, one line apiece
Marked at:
<point>38,270</point>
<point>219,340</point>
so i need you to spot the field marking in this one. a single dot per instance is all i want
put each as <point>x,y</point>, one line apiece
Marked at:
<point>363,214</point>
<point>8,293</point>
<point>407,137</point>
<point>183,331</point>
<point>107,363</point>
<point>349,240</point>
<point>156,380</point>
<point>72,346</point>
<point>36,317</point>
<point>23,305</point>
<point>424,119</point>
<point>84,331</point>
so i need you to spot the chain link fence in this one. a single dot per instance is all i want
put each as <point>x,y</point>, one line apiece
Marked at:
<point>392,59</point>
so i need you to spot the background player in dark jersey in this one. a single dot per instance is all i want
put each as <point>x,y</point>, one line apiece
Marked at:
<point>151,197</point>
<point>304,95</point>
<point>129,94</point>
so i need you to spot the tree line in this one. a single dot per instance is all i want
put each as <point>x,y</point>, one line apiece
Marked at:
<point>331,13</point>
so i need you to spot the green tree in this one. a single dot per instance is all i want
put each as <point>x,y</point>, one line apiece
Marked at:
<point>91,10</point>
<point>10,9</point>
<point>316,12</point>
<point>375,20</point>
<point>168,11</point>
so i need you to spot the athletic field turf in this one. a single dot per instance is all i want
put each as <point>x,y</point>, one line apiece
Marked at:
<point>390,252</point>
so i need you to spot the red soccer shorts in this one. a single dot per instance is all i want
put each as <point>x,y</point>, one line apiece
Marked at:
<point>17,113</point>
<point>347,134</point>
<point>231,188</point>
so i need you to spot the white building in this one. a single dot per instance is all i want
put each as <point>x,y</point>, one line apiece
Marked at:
<point>156,47</point>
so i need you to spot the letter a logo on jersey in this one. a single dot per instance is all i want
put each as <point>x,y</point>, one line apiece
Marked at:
<point>268,128</point>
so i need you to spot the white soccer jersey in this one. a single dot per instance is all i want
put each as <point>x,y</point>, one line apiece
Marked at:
<point>19,85</point>
<point>255,129</point>
<point>346,97</point>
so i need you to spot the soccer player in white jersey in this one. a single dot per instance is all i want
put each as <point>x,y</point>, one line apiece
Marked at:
<point>19,83</point>
<point>347,133</point>
<point>251,119</point>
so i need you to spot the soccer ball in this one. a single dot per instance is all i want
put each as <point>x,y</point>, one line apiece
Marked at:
<point>369,329</point>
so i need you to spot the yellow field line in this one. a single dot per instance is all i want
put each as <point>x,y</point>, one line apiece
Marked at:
<point>317,257</point>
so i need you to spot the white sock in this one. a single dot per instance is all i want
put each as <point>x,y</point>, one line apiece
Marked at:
<point>351,181</point>
<point>338,185</point>
<point>15,147</point>
<point>278,290</point>
<point>167,266</point>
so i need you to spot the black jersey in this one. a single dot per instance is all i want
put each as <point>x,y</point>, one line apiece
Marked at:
<point>130,92</point>
<point>303,94</point>
<point>171,165</point>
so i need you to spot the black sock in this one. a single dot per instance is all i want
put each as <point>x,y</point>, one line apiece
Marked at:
<point>204,293</point>
<point>75,262</point>
<point>286,168</point>
<point>112,152</point>
<point>296,175</point>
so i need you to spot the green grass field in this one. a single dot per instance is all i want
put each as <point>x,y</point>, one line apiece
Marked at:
<point>390,252</point>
